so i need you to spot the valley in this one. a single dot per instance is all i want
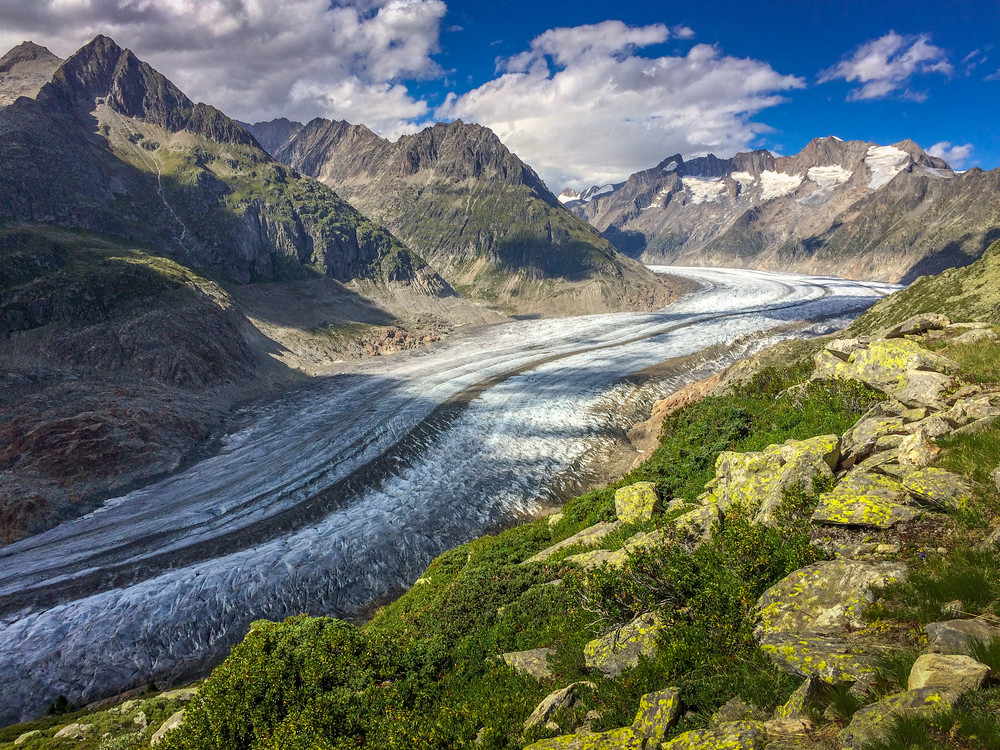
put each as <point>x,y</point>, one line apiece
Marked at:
<point>319,506</point>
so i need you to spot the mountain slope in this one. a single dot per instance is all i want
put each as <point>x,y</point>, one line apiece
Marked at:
<point>480,216</point>
<point>849,208</point>
<point>110,145</point>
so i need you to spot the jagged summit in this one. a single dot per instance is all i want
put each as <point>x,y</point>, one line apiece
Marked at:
<point>24,70</point>
<point>103,70</point>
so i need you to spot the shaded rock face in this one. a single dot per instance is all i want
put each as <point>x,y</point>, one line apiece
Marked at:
<point>852,209</point>
<point>480,216</point>
<point>111,146</point>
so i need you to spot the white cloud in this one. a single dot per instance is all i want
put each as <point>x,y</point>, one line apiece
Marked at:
<point>582,108</point>
<point>955,155</point>
<point>886,65</point>
<point>257,59</point>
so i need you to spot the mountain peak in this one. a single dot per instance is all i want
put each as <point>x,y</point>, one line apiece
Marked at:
<point>24,70</point>
<point>26,52</point>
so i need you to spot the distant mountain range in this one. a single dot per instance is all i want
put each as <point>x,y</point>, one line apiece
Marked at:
<point>479,215</point>
<point>849,208</point>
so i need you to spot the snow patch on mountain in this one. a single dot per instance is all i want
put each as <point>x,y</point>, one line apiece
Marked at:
<point>745,179</point>
<point>568,196</point>
<point>778,184</point>
<point>670,167</point>
<point>885,162</point>
<point>704,191</point>
<point>829,177</point>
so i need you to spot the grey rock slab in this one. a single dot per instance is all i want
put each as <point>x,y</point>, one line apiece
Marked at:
<point>22,738</point>
<point>589,536</point>
<point>657,713</point>
<point>947,671</point>
<point>938,488</point>
<point>921,388</point>
<point>955,636</point>
<point>916,325</point>
<point>533,662</point>
<point>871,722</point>
<point>73,731</point>
<point>737,735</point>
<point>827,658</point>
<point>563,698</point>
<point>614,652</point>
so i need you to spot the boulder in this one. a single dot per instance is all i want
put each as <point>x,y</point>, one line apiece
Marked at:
<point>972,409</point>
<point>845,508</point>
<point>737,735</point>
<point>871,722</point>
<point>920,388</point>
<point>533,662</point>
<point>757,481</point>
<point>948,672</point>
<point>698,522</point>
<point>916,325</point>
<point>783,728</point>
<point>73,732</point>
<point>170,724</point>
<point>616,651</point>
<point>860,441</point>
<point>955,636</point>
<point>637,502</point>
<point>181,694</point>
<point>976,337</point>
<point>616,739</point>
<point>735,709</point>
<point>938,488</point>
<point>589,536</point>
<point>829,659</point>
<point>22,738</point>
<point>563,698</point>
<point>918,449</point>
<point>597,557</point>
<point>795,706</point>
<point>657,713</point>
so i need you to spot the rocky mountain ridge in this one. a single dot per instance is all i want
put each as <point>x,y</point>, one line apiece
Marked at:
<point>840,207</point>
<point>24,70</point>
<point>481,217</point>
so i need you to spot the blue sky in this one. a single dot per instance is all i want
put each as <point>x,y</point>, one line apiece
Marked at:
<point>585,91</point>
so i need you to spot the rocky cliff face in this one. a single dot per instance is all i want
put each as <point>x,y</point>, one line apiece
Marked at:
<point>479,215</point>
<point>110,145</point>
<point>848,208</point>
<point>24,70</point>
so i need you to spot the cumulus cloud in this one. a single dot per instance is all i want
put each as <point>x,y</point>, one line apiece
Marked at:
<point>955,155</point>
<point>261,58</point>
<point>887,65</point>
<point>582,107</point>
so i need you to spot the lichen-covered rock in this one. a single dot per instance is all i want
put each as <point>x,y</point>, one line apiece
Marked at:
<point>783,728</point>
<point>565,697</point>
<point>589,536</point>
<point>698,522</point>
<point>871,722</point>
<point>534,662</point>
<point>181,694</point>
<point>795,706</point>
<point>616,739</point>
<point>955,636</point>
<point>882,364</point>
<point>737,735</point>
<point>827,658</point>
<point>916,325</point>
<point>597,557</point>
<point>22,738</point>
<point>947,671</point>
<point>735,709</point>
<point>637,502</point>
<point>919,388</point>
<point>620,649</point>
<point>825,598</point>
<point>938,488</point>
<point>860,441</point>
<point>845,508</point>
<point>657,713</point>
<point>757,481</point>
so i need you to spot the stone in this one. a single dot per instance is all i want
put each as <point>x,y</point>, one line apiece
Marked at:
<point>598,557</point>
<point>860,441</point>
<point>552,726</point>
<point>614,652</point>
<point>993,540</point>
<point>916,325</point>
<point>864,499</point>
<point>553,519</point>
<point>795,706</point>
<point>735,709</point>
<point>948,672</point>
<point>918,449</point>
<point>938,488</point>
<point>882,364</point>
<point>934,426</point>
<point>955,636</point>
<point>533,662</point>
<point>169,725</point>
<point>919,388</point>
<point>757,481</point>
<point>974,428</point>
<point>589,537</point>
<point>616,739</point>
<point>73,731</point>
<point>558,699</point>
<point>181,694</point>
<point>22,738</point>
<point>658,712</point>
<point>678,503</point>
<point>637,502</point>
<point>737,735</point>
<point>953,608</point>
<point>698,522</point>
<point>976,337</point>
<point>828,659</point>
<point>140,721</point>
<point>871,722</point>
<point>972,409</point>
